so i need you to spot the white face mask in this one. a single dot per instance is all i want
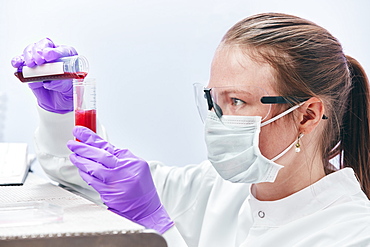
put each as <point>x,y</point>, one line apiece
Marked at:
<point>234,151</point>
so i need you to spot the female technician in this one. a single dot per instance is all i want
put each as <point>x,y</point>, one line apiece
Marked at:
<point>282,101</point>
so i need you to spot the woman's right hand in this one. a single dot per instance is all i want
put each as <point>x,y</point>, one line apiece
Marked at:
<point>123,180</point>
<point>53,96</point>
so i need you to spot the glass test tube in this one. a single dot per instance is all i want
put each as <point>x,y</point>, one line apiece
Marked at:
<point>84,99</point>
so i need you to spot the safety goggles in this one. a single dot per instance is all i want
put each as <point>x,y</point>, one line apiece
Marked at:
<point>238,101</point>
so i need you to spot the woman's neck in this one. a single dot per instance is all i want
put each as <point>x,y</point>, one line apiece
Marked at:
<point>293,177</point>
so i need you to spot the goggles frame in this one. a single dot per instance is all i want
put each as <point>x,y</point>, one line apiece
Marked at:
<point>264,100</point>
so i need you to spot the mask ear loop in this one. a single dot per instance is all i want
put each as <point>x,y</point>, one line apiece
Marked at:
<point>277,117</point>
<point>282,114</point>
<point>287,149</point>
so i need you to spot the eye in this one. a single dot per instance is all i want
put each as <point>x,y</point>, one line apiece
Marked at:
<point>237,102</point>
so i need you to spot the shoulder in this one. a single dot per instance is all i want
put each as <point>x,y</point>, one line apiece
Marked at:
<point>350,220</point>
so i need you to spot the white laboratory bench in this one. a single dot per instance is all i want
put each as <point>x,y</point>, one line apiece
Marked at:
<point>72,221</point>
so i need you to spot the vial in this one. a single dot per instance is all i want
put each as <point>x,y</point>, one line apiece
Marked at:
<point>74,67</point>
<point>84,101</point>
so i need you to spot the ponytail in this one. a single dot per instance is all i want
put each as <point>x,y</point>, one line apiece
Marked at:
<point>355,133</point>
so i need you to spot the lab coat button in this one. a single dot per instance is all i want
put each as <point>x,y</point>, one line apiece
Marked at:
<point>261,214</point>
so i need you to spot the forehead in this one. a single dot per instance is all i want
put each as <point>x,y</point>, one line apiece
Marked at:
<point>232,66</point>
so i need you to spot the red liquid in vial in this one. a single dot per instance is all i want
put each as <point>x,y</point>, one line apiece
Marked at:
<point>64,76</point>
<point>86,118</point>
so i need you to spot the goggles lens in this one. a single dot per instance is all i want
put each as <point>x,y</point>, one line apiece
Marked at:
<point>234,100</point>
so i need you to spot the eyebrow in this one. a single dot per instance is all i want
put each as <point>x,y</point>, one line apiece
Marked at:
<point>234,91</point>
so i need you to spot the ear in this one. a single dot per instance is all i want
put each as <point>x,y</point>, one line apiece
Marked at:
<point>310,114</point>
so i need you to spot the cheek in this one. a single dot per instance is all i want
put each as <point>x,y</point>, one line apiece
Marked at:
<point>276,137</point>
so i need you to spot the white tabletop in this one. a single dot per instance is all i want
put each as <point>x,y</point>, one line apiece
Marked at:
<point>75,217</point>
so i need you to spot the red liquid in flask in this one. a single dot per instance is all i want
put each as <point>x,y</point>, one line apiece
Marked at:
<point>86,118</point>
<point>64,76</point>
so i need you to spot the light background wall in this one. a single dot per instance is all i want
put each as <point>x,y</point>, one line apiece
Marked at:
<point>146,54</point>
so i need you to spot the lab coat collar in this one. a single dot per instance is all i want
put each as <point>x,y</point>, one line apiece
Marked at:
<point>334,187</point>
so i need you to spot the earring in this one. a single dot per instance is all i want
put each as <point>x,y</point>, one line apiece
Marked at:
<point>298,145</point>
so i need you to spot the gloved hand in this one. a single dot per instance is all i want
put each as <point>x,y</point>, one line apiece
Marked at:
<point>53,96</point>
<point>123,180</point>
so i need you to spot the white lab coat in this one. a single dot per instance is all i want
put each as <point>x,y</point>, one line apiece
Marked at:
<point>209,211</point>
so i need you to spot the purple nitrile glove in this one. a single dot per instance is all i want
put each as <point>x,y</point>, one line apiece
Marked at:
<point>53,96</point>
<point>123,180</point>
